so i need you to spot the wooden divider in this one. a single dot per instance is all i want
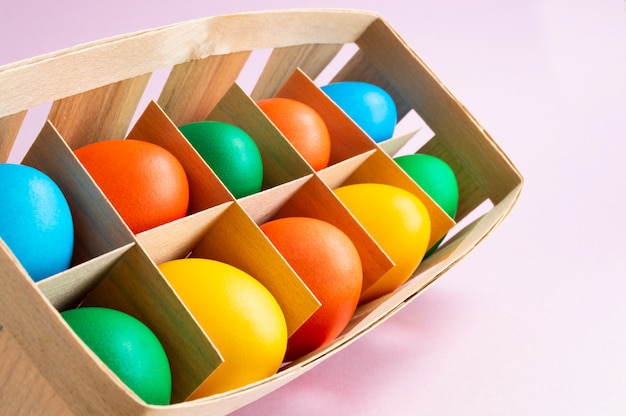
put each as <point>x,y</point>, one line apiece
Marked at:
<point>380,168</point>
<point>235,239</point>
<point>347,139</point>
<point>97,226</point>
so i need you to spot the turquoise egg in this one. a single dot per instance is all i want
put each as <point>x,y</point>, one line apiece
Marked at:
<point>230,152</point>
<point>128,347</point>
<point>368,105</point>
<point>35,220</point>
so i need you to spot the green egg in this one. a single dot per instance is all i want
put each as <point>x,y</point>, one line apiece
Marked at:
<point>436,178</point>
<point>128,347</point>
<point>230,152</point>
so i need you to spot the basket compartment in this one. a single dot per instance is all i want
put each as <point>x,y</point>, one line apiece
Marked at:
<point>114,268</point>
<point>234,238</point>
<point>281,162</point>
<point>347,139</point>
<point>315,199</point>
<point>134,285</point>
<point>205,188</point>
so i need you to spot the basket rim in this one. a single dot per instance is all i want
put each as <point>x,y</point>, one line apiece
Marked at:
<point>55,75</point>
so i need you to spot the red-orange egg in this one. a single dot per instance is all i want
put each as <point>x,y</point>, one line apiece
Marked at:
<point>328,263</point>
<point>302,126</point>
<point>144,182</point>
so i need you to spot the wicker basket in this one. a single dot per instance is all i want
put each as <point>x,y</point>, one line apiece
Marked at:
<point>96,92</point>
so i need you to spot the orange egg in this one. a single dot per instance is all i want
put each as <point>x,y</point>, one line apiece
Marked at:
<point>144,182</point>
<point>302,126</point>
<point>327,261</point>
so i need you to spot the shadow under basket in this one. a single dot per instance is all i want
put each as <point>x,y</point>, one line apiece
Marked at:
<point>145,84</point>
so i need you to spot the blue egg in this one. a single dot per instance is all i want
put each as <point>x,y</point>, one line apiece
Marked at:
<point>35,220</point>
<point>368,105</point>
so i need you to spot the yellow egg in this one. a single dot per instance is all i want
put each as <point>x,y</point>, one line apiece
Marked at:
<point>398,221</point>
<point>239,315</point>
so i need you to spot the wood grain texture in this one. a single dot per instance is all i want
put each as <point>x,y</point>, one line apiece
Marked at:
<point>359,68</point>
<point>316,200</point>
<point>236,240</point>
<point>444,114</point>
<point>194,88</point>
<point>74,372</point>
<point>310,59</point>
<point>9,129</point>
<point>281,162</point>
<point>177,239</point>
<point>74,70</point>
<point>16,371</point>
<point>68,289</point>
<point>347,139</point>
<point>103,113</point>
<point>380,168</point>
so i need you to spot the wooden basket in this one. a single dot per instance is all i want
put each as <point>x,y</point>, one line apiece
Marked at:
<point>97,91</point>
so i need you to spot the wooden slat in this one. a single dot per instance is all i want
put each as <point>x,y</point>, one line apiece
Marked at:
<point>380,168</point>
<point>393,145</point>
<point>470,194</point>
<point>100,114</point>
<point>9,128</point>
<point>194,88</point>
<point>442,112</point>
<point>57,75</point>
<point>311,59</point>
<point>67,289</point>
<point>175,240</point>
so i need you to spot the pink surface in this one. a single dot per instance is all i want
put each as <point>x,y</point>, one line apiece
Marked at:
<point>532,322</point>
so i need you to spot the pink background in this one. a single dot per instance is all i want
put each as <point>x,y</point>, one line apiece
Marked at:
<point>533,321</point>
